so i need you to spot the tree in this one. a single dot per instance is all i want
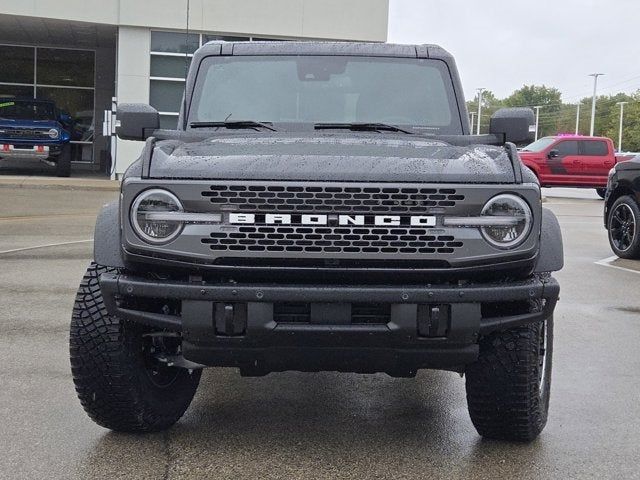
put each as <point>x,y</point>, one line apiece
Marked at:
<point>489,106</point>
<point>631,125</point>
<point>558,117</point>
<point>539,95</point>
<point>565,119</point>
<point>608,119</point>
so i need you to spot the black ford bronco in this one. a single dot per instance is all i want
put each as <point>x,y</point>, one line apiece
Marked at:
<point>622,209</point>
<point>321,206</point>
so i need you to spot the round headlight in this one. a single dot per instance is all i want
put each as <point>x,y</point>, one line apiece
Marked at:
<point>144,222</point>
<point>511,230</point>
<point>53,133</point>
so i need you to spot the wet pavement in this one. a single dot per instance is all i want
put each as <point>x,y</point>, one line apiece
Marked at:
<point>326,425</point>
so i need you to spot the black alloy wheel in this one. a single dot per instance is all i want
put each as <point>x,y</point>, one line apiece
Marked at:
<point>624,228</point>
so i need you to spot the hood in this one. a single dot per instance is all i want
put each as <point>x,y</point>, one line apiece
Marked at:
<point>530,154</point>
<point>327,157</point>
<point>629,162</point>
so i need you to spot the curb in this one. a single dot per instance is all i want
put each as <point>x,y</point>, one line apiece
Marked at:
<point>55,183</point>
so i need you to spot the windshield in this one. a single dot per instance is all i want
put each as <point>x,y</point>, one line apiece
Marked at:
<point>539,145</point>
<point>26,110</point>
<point>326,89</point>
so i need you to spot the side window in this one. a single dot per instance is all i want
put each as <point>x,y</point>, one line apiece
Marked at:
<point>594,148</point>
<point>567,147</point>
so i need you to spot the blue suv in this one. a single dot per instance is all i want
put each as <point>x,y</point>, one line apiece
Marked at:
<point>32,128</point>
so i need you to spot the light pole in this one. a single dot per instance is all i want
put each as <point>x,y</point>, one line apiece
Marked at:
<point>622,104</point>
<point>578,119</point>
<point>473,117</point>
<point>480,90</point>
<point>537,119</point>
<point>593,101</point>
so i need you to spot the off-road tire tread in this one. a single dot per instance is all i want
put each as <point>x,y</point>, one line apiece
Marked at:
<point>106,370</point>
<point>63,163</point>
<point>503,393</point>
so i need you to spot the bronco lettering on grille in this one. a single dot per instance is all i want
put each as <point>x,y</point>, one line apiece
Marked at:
<point>341,220</point>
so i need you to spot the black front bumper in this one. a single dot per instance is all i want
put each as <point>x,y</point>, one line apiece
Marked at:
<point>241,325</point>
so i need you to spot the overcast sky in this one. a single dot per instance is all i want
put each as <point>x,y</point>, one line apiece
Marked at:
<point>502,45</point>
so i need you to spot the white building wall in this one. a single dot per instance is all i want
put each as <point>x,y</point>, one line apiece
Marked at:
<point>94,11</point>
<point>360,20</point>
<point>328,19</point>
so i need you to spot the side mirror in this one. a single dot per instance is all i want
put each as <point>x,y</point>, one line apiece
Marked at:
<point>553,153</point>
<point>517,125</point>
<point>65,118</point>
<point>136,121</point>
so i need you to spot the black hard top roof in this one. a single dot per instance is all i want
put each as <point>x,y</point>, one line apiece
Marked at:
<point>322,48</point>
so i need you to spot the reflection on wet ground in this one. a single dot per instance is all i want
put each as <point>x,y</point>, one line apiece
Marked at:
<point>325,425</point>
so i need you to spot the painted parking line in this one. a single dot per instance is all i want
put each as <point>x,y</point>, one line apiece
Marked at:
<point>608,262</point>
<point>45,246</point>
<point>577,201</point>
<point>578,222</point>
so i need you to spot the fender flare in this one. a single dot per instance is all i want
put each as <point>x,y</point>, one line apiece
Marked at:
<point>106,240</point>
<point>533,168</point>
<point>551,254</point>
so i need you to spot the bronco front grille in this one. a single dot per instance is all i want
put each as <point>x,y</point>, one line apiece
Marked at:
<point>25,133</point>
<point>330,199</point>
<point>317,227</point>
<point>300,239</point>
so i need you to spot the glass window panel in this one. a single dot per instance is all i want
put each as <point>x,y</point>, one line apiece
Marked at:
<point>165,96</point>
<point>174,42</point>
<point>594,148</point>
<point>168,122</point>
<point>17,64</point>
<point>170,67</point>
<point>28,109</point>
<point>73,68</point>
<point>567,147</point>
<point>11,91</point>
<point>78,104</point>
<point>226,38</point>
<point>415,92</point>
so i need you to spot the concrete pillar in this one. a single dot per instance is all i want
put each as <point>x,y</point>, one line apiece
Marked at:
<point>132,84</point>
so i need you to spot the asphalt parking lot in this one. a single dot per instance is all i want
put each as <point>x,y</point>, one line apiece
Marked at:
<point>294,425</point>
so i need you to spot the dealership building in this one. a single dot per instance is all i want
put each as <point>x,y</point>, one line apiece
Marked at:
<point>83,54</point>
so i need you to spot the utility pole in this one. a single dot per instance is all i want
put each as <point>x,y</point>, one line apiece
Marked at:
<point>473,117</point>
<point>578,119</point>
<point>593,101</point>
<point>622,104</point>
<point>480,90</point>
<point>537,119</point>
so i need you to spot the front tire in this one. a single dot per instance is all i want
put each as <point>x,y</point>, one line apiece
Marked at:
<point>623,226</point>
<point>63,163</point>
<point>116,379</point>
<point>508,386</point>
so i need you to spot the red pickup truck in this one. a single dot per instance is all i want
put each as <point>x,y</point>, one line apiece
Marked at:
<point>572,161</point>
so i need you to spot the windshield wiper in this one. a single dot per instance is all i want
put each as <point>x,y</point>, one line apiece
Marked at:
<point>364,127</point>
<point>233,124</point>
